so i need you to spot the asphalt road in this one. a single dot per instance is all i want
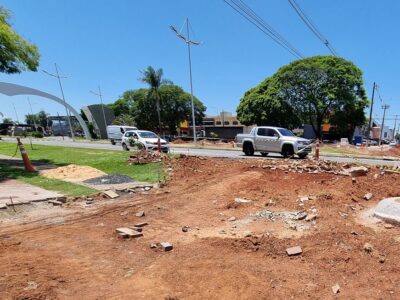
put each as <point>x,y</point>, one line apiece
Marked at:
<point>197,151</point>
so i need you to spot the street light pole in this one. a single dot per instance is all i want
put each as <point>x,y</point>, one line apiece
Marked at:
<point>189,42</point>
<point>33,117</point>
<point>384,107</point>
<point>370,112</point>
<point>57,75</point>
<point>102,106</point>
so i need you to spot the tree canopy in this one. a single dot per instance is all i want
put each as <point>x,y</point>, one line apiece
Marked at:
<point>39,119</point>
<point>310,91</point>
<point>16,54</point>
<point>259,107</point>
<point>175,107</point>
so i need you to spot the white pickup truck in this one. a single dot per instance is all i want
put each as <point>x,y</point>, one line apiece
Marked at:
<point>273,140</point>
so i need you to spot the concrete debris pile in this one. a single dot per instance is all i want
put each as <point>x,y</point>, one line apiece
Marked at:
<point>291,218</point>
<point>144,157</point>
<point>315,167</point>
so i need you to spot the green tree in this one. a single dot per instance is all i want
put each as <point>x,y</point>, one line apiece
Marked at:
<point>125,120</point>
<point>40,119</point>
<point>153,78</point>
<point>16,54</point>
<point>124,105</point>
<point>31,119</point>
<point>257,106</point>
<point>7,120</point>
<point>175,107</point>
<point>322,88</point>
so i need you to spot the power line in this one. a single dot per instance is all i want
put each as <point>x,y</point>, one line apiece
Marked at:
<point>311,26</point>
<point>249,14</point>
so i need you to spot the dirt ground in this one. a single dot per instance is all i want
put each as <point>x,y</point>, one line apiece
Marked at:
<point>82,256</point>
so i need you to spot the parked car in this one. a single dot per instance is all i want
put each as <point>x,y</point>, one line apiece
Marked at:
<point>145,139</point>
<point>115,132</point>
<point>273,140</point>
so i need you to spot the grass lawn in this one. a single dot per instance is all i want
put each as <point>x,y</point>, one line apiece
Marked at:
<point>107,161</point>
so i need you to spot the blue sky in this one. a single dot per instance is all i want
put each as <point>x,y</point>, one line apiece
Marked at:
<point>107,43</point>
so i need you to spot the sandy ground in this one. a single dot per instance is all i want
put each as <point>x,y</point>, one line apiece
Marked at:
<point>82,257</point>
<point>72,173</point>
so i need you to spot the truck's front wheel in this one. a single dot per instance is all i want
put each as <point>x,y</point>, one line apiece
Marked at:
<point>287,151</point>
<point>248,149</point>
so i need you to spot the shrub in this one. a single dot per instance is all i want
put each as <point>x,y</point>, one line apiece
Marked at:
<point>37,134</point>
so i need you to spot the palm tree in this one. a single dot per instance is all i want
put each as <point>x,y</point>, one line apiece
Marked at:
<point>154,80</point>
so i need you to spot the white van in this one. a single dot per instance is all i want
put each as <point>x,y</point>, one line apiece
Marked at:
<point>115,132</point>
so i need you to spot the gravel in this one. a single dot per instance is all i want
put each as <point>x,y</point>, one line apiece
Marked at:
<point>110,179</point>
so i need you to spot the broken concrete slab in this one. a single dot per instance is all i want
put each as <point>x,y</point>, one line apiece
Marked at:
<point>55,202</point>
<point>336,288</point>
<point>166,246</point>
<point>242,200</point>
<point>368,196</point>
<point>311,217</point>
<point>128,232</point>
<point>294,251</point>
<point>23,193</point>
<point>3,206</point>
<point>140,213</point>
<point>138,229</point>
<point>388,210</point>
<point>356,171</point>
<point>111,194</point>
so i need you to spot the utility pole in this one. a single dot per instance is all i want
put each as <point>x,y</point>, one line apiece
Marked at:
<point>33,116</point>
<point>57,75</point>
<point>189,42</point>
<point>102,108</point>
<point>394,127</point>
<point>370,112</point>
<point>384,107</point>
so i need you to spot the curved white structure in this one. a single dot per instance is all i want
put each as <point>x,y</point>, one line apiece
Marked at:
<point>11,89</point>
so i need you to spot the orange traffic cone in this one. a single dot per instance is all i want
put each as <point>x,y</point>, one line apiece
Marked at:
<point>27,163</point>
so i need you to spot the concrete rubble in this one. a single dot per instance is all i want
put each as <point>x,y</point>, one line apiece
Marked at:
<point>166,246</point>
<point>111,194</point>
<point>294,251</point>
<point>336,288</point>
<point>126,232</point>
<point>368,196</point>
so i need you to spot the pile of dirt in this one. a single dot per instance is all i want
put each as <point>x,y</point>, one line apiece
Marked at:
<point>178,141</point>
<point>72,173</point>
<point>144,157</point>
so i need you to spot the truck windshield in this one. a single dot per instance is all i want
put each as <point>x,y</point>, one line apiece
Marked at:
<point>148,135</point>
<point>285,132</point>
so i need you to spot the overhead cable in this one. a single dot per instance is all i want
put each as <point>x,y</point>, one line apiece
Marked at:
<point>311,26</point>
<point>249,14</point>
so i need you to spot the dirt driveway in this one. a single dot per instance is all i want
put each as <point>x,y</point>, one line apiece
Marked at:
<point>233,249</point>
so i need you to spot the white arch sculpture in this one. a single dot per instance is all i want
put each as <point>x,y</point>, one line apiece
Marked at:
<point>11,89</point>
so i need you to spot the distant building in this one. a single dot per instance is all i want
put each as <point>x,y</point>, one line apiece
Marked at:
<point>225,126</point>
<point>94,115</point>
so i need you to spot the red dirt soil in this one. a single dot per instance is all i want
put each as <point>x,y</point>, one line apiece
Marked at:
<point>83,258</point>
